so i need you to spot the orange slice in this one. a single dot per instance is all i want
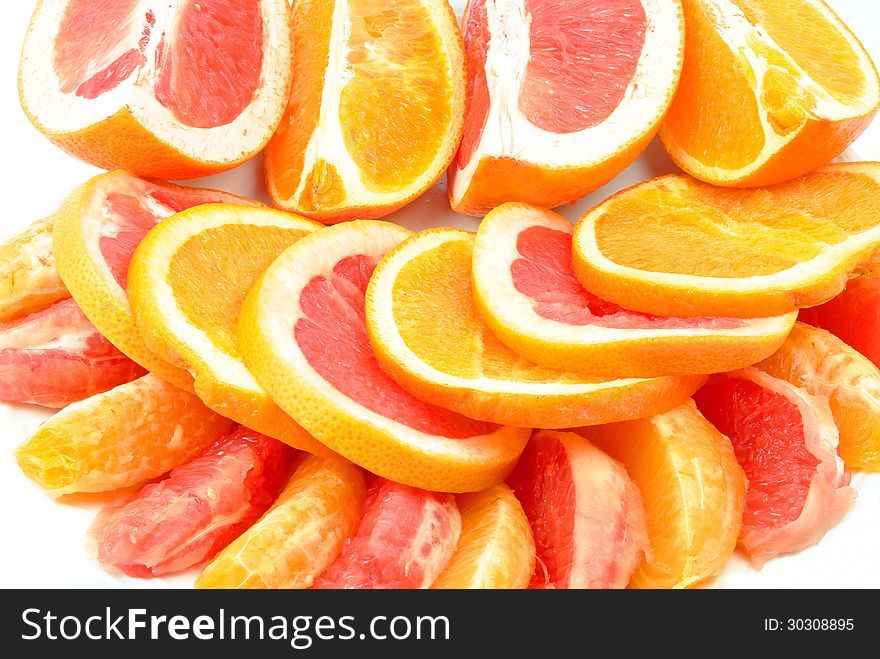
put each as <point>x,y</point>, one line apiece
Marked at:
<point>303,336</point>
<point>167,90</point>
<point>186,284</point>
<point>376,109</point>
<point>122,437</point>
<point>299,536</point>
<point>677,247</point>
<point>428,335</point>
<point>692,487</point>
<point>526,290</point>
<point>769,91</point>
<point>496,548</point>
<point>561,96</point>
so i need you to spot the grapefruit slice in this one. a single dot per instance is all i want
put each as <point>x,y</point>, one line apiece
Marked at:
<point>302,334</point>
<point>527,291</point>
<point>195,511</point>
<point>299,536</point>
<point>429,336</point>
<point>585,511</point>
<point>55,357</point>
<point>122,437</point>
<point>786,442</point>
<point>163,89</point>
<point>405,538</point>
<point>692,487</point>
<point>825,366</point>
<point>562,96</point>
<point>186,283</point>
<point>496,548</point>
<point>97,229</point>
<point>376,109</point>
<point>678,247</point>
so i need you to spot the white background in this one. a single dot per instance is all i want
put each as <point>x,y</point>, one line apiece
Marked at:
<point>43,542</point>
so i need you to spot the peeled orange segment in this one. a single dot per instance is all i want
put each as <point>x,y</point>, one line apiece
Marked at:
<point>429,336</point>
<point>55,357</point>
<point>299,536</point>
<point>678,247</point>
<point>122,437</point>
<point>528,294</point>
<point>496,548</point>
<point>586,513</point>
<point>562,96</point>
<point>405,538</point>
<point>97,229</point>
<point>164,89</point>
<point>770,90</point>
<point>692,488</point>
<point>823,365</point>
<point>302,334</point>
<point>376,109</point>
<point>786,442</point>
<point>186,284</point>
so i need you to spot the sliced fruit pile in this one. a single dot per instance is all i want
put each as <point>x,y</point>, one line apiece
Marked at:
<point>620,403</point>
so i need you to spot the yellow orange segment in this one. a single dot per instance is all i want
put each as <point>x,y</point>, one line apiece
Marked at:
<point>692,487</point>
<point>299,536</point>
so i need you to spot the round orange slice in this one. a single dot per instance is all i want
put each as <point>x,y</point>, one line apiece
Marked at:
<point>562,96</point>
<point>677,247</point>
<point>164,89</point>
<point>526,290</point>
<point>376,109</point>
<point>770,90</point>
<point>186,284</point>
<point>302,334</point>
<point>428,335</point>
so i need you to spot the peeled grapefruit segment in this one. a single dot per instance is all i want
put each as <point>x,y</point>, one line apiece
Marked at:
<point>527,291</point>
<point>198,509</point>
<point>55,357</point>
<point>786,442</point>
<point>429,336</point>
<point>299,536</point>
<point>562,96</point>
<point>405,538</point>
<point>164,89</point>
<point>376,109</point>
<point>122,437</point>
<point>303,335</point>
<point>586,513</point>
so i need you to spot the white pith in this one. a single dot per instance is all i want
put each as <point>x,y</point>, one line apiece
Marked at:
<point>509,134</point>
<point>57,112</point>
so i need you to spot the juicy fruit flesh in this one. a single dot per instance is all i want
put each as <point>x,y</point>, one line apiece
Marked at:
<point>476,44</point>
<point>333,337</point>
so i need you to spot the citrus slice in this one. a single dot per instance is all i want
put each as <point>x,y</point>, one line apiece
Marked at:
<point>496,548</point>
<point>429,336</point>
<point>786,442</point>
<point>302,334</point>
<point>562,96</point>
<point>769,91</point>
<point>164,89</point>
<point>526,290</point>
<point>55,357</point>
<point>678,247</point>
<point>585,511</point>
<point>405,538</point>
<point>376,109</point>
<point>299,536</point>
<point>195,511</point>
<point>122,437</point>
<point>693,491</point>
<point>825,366</point>
<point>186,283</point>
<point>97,229</point>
